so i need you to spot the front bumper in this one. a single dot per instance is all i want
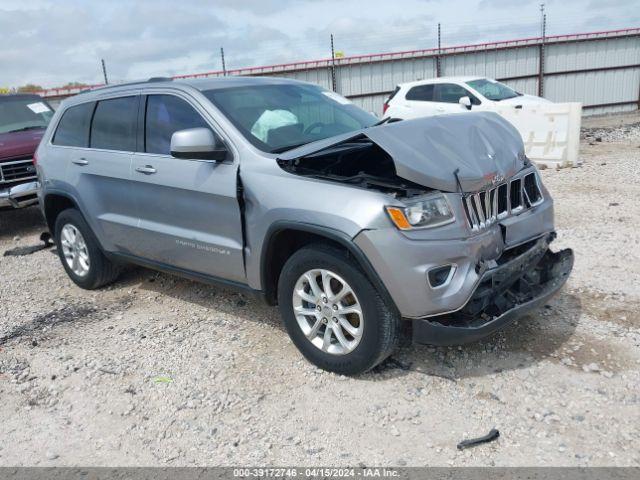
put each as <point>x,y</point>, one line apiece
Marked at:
<point>517,285</point>
<point>18,196</point>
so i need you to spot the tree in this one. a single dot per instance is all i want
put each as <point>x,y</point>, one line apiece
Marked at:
<point>75,85</point>
<point>30,88</point>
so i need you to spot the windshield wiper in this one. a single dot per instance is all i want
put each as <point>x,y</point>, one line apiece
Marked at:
<point>24,129</point>
<point>288,147</point>
<point>385,120</point>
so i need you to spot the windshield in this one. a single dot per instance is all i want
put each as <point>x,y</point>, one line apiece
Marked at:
<point>20,113</point>
<point>276,118</point>
<point>493,90</point>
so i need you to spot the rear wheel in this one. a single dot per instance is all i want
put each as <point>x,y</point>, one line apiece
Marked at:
<point>80,253</point>
<point>333,313</point>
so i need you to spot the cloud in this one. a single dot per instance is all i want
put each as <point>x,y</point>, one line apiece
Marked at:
<point>52,42</point>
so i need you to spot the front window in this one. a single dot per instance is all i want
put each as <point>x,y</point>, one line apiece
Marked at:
<point>21,113</point>
<point>493,90</point>
<point>166,115</point>
<point>276,118</point>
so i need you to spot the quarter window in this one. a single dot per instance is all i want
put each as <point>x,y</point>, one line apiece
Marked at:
<point>167,114</point>
<point>114,124</point>
<point>73,128</point>
<point>422,93</point>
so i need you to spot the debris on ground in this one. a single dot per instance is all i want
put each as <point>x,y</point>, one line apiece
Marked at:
<point>45,238</point>
<point>472,442</point>
<point>162,379</point>
<point>613,133</point>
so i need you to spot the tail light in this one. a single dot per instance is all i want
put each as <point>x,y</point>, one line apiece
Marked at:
<point>385,107</point>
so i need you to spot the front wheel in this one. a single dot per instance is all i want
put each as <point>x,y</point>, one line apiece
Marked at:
<point>332,312</point>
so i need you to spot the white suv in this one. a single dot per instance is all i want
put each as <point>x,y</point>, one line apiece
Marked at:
<point>452,95</point>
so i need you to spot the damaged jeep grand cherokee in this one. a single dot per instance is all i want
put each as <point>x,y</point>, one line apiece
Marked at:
<point>353,227</point>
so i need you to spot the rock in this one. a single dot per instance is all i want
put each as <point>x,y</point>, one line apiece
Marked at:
<point>51,455</point>
<point>591,367</point>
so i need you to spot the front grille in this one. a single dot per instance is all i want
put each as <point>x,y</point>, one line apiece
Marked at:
<point>488,206</point>
<point>15,170</point>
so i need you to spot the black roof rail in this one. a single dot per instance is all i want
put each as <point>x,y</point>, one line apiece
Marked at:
<point>115,85</point>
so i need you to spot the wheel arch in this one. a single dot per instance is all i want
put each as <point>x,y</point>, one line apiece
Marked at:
<point>53,204</point>
<point>285,237</point>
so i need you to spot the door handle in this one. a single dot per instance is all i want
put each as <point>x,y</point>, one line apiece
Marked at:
<point>147,169</point>
<point>81,161</point>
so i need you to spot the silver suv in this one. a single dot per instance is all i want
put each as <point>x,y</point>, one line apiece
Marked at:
<point>354,227</point>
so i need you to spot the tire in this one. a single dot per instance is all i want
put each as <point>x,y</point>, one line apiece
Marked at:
<point>100,270</point>
<point>379,322</point>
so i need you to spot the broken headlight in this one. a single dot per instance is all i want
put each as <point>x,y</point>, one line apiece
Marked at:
<point>430,211</point>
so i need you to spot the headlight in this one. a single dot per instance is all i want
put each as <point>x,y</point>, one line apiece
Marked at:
<point>431,211</point>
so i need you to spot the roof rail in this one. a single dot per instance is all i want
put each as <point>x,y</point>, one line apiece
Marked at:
<point>125,84</point>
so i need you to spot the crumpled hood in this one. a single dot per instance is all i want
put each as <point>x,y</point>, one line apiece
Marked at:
<point>482,146</point>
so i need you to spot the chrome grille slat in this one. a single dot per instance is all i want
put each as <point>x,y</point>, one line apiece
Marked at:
<point>471,214</point>
<point>478,205</point>
<point>516,195</point>
<point>17,170</point>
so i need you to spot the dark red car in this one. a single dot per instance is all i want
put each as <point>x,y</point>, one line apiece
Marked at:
<point>23,120</point>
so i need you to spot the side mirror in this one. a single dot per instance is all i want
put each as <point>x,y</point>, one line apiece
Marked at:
<point>197,143</point>
<point>465,102</point>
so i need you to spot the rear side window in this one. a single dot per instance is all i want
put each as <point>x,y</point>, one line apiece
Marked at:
<point>422,93</point>
<point>73,128</point>
<point>114,124</point>
<point>167,114</point>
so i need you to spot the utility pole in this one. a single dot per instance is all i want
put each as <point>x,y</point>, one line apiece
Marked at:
<point>438,66</point>
<point>543,36</point>
<point>224,67</point>
<point>333,66</point>
<point>104,72</point>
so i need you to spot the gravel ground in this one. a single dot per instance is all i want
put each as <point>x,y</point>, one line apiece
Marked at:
<point>157,370</point>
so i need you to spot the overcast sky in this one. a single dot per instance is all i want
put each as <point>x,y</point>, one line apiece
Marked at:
<point>52,42</point>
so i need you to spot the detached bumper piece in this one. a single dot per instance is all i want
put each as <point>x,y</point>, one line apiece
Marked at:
<point>523,279</point>
<point>20,195</point>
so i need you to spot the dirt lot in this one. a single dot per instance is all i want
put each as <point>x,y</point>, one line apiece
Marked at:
<point>158,370</point>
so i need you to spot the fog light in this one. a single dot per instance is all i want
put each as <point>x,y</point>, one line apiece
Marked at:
<point>440,276</point>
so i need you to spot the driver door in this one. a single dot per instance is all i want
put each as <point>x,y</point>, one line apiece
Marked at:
<point>189,213</point>
<point>447,95</point>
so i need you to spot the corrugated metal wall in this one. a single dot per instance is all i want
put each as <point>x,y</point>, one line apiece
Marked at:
<point>601,70</point>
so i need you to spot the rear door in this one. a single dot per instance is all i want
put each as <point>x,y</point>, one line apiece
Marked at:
<point>101,173</point>
<point>189,212</point>
<point>418,102</point>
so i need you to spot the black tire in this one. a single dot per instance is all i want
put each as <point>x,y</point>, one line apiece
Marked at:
<point>101,270</point>
<point>381,329</point>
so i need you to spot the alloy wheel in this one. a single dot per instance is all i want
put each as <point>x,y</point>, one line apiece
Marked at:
<point>328,311</point>
<point>74,249</point>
